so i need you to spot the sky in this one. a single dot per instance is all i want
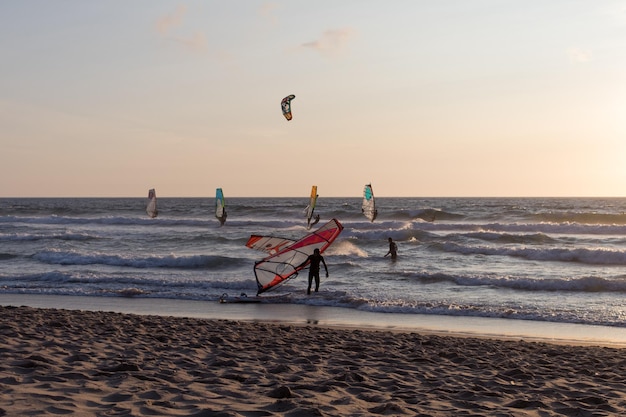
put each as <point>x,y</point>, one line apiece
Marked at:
<point>449,98</point>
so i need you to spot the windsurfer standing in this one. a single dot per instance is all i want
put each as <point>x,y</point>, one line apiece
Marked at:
<point>223,218</point>
<point>314,269</point>
<point>393,249</point>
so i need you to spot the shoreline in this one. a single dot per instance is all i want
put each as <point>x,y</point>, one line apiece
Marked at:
<point>92,363</point>
<point>334,317</point>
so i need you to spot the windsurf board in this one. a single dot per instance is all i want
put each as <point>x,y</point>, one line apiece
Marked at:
<point>244,298</point>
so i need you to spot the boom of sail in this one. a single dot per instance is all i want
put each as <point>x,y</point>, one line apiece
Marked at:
<point>220,206</point>
<point>287,257</point>
<point>151,208</point>
<point>369,205</point>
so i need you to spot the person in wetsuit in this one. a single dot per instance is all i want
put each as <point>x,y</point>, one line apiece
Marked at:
<point>314,269</point>
<point>393,249</point>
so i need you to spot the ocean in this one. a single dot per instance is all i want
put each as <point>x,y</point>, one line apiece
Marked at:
<point>557,260</point>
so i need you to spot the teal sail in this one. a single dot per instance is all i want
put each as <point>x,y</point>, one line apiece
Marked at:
<point>220,206</point>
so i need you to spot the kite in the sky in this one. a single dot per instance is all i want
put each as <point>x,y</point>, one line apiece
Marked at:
<point>286,106</point>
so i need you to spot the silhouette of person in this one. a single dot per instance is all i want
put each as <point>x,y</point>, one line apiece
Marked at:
<point>223,218</point>
<point>314,269</point>
<point>393,249</point>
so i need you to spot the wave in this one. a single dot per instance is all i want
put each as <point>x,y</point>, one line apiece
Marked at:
<point>169,261</point>
<point>104,220</point>
<point>598,256</point>
<point>590,284</point>
<point>493,311</point>
<point>582,218</point>
<point>427,215</point>
<point>69,236</point>
<point>346,248</point>
<point>396,232</point>
<point>345,299</point>
<point>545,228</point>
<point>154,286</point>
<point>207,223</point>
<point>504,238</point>
<point>585,284</point>
<point>157,287</point>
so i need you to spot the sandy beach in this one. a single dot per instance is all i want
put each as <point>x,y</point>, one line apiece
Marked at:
<point>85,363</point>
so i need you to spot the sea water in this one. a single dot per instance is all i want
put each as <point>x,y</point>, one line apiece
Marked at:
<point>559,260</point>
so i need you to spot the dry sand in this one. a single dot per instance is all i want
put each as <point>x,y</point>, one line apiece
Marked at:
<point>60,362</point>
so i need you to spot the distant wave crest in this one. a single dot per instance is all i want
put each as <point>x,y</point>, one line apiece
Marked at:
<point>597,256</point>
<point>169,261</point>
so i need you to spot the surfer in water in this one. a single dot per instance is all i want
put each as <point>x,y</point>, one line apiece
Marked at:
<point>393,249</point>
<point>314,269</point>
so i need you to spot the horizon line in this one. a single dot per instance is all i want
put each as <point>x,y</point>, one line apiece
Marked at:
<point>337,197</point>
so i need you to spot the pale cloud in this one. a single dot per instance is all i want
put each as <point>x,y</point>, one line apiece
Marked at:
<point>196,42</point>
<point>332,42</point>
<point>165,24</point>
<point>267,11</point>
<point>579,55</point>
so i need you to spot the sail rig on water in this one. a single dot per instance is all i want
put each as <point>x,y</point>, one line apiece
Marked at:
<point>286,256</point>
<point>369,205</point>
<point>151,208</point>
<point>220,206</point>
<point>310,209</point>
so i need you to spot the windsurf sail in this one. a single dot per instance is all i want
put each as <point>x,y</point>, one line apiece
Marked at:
<point>151,208</point>
<point>310,209</point>
<point>220,206</point>
<point>369,205</point>
<point>285,264</point>
<point>285,104</point>
<point>269,244</point>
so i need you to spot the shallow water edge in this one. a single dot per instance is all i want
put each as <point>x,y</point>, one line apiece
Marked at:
<point>567,333</point>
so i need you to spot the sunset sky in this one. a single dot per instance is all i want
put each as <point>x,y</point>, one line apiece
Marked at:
<point>420,98</point>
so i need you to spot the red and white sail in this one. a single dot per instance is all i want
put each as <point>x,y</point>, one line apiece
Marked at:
<point>286,262</point>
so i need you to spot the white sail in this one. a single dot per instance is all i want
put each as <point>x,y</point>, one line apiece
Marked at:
<point>151,208</point>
